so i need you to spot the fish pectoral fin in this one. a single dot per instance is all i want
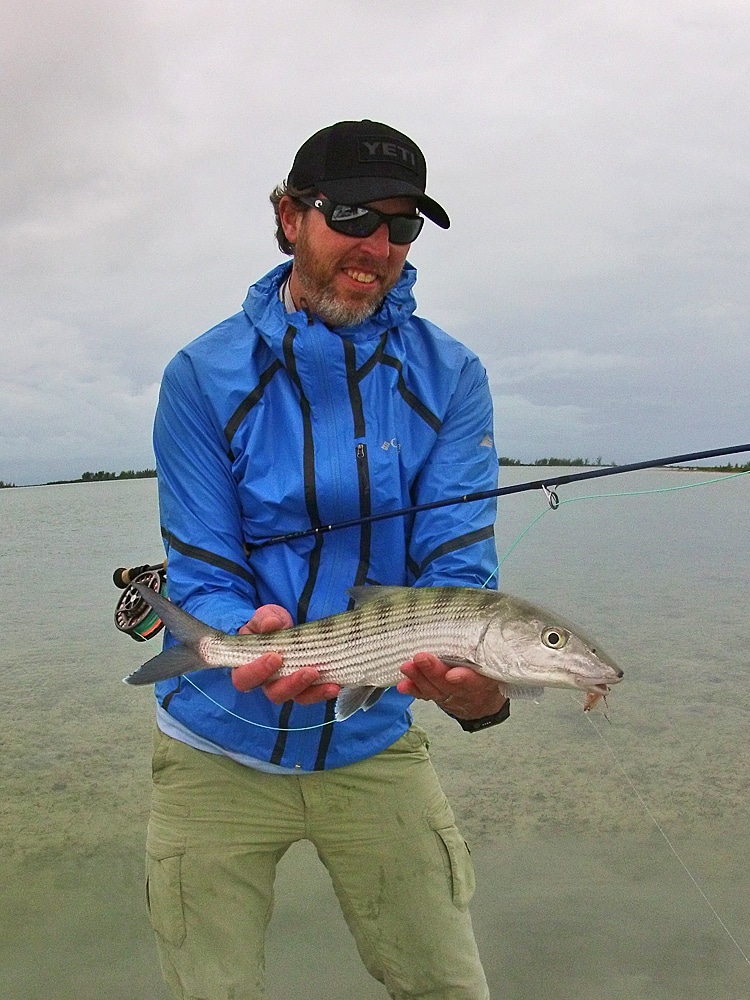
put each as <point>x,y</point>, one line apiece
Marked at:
<point>171,663</point>
<point>521,693</point>
<point>458,661</point>
<point>352,698</point>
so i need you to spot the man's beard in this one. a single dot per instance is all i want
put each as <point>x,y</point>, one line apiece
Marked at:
<point>321,298</point>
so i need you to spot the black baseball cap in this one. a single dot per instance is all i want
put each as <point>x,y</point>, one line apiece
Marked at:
<point>355,162</point>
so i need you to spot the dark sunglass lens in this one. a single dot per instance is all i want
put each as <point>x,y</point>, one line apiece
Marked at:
<point>404,228</point>
<point>352,220</point>
<point>363,225</point>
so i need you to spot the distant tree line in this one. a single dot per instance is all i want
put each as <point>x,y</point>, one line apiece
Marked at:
<point>6,486</point>
<point>102,476</point>
<point>98,477</point>
<point>504,460</point>
<point>723,468</point>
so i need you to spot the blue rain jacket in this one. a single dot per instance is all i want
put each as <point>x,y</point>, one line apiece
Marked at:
<point>271,423</point>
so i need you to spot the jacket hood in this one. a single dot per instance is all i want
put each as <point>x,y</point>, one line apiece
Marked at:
<point>266,311</point>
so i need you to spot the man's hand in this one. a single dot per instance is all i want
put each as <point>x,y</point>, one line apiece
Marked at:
<point>300,686</point>
<point>461,691</point>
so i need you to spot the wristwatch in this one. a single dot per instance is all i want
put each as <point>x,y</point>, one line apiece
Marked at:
<point>474,725</point>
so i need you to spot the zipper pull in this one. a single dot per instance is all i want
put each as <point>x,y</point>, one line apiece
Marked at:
<point>361,451</point>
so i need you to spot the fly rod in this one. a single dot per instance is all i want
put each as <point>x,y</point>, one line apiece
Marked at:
<point>537,484</point>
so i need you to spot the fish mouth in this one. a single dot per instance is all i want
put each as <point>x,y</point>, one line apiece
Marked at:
<point>588,685</point>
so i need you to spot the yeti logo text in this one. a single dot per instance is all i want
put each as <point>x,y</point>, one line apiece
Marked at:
<point>387,152</point>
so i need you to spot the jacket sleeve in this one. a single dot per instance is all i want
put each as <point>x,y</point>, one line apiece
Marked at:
<point>207,572</point>
<point>455,545</point>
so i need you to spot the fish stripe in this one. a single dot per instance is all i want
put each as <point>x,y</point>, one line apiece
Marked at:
<point>203,555</point>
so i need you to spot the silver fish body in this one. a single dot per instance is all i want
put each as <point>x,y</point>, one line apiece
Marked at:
<point>521,646</point>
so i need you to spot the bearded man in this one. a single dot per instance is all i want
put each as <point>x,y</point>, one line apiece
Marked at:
<point>325,399</point>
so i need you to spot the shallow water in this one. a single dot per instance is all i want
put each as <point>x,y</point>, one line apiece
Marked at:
<point>611,856</point>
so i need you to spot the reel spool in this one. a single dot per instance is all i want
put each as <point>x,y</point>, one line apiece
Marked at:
<point>132,615</point>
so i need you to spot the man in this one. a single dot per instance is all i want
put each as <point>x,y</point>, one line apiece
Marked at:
<point>325,399</point>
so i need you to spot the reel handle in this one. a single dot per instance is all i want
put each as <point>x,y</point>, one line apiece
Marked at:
<point>124,576</point>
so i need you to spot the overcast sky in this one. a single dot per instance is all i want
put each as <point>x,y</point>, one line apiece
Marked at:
<point>594,159</point>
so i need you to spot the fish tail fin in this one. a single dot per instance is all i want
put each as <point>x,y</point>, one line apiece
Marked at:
<point>176,660</point>
<point>184,627</point>
<point>171,663</point>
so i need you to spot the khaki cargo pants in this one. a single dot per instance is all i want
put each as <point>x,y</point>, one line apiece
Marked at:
<point>383,829</point>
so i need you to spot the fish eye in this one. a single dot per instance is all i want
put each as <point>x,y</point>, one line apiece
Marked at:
<point>555,638</point>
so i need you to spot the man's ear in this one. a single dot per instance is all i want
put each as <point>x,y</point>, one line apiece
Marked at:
<point>290,216</point>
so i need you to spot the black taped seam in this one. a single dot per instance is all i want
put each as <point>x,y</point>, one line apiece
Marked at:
<point>325,736</point>
<point>280,747</point>
<point>355,396</point>
<point>250,401</point>
<point>408,396</point>
<point>375,358</point>
<point>308,474</point>
<point>203,555</point>
<point>462,542</point>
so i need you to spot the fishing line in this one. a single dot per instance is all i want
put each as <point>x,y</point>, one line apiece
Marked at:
<point>258,725</point>
<point>669,843</point>
<point>554,502</point>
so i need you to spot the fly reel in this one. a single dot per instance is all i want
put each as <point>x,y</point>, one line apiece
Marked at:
<point>132,615</point>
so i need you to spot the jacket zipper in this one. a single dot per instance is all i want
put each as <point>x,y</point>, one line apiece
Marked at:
<point>363,477</point>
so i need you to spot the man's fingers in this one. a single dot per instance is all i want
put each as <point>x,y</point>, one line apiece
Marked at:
<point>301,687</point>
<point>256,672</point>
<point>425,678</point>
<point>268,618</point>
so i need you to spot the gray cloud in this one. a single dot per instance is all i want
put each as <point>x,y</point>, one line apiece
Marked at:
<point>594,160</point>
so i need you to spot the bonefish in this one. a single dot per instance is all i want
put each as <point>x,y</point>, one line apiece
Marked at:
<point>521,646</point>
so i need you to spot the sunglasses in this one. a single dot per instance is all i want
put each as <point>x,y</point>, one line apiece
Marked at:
<point>359,222</point>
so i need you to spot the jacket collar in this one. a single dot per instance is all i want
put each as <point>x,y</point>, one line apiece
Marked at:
<point>266,311</point>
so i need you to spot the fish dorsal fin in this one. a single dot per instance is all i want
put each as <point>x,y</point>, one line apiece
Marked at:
<point>352,698</point>
<point>366,595</point>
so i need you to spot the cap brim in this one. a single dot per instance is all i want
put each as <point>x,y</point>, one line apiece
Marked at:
<point>359,190</point>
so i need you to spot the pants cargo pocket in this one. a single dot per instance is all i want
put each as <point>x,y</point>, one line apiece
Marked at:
<point>164,897</point>
<point>460,865</point>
